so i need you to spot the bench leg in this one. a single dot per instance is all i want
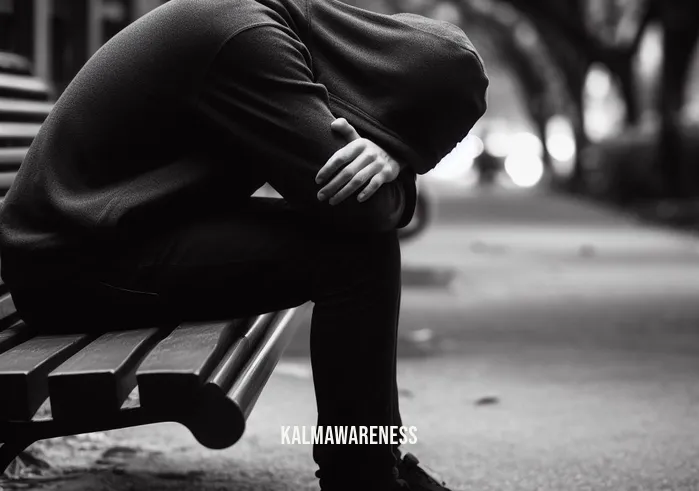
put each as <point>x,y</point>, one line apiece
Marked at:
<point>9,451</point>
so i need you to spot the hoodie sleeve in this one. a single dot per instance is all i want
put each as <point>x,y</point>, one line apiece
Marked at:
<point>261,99</point>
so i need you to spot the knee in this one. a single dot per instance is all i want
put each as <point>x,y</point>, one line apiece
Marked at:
<point>358,265</point>
<point>376,253</point>
<point>380,213</point>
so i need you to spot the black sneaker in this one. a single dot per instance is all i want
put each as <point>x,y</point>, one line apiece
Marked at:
<point>401,485</point>
<point>397,485</point>
<point>416,477</point>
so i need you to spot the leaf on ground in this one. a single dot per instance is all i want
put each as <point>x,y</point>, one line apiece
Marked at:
<point>487,401</point>
<point>406,393</point>
<point>181,476</point>
<point>117,454</point>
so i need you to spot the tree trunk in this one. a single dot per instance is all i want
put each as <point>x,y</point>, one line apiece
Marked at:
<point>629,90</point>
<point>681,29</point>
<point>540,125</point>
<point>577,183</point>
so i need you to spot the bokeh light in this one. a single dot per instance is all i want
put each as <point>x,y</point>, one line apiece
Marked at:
<point>526,143</point>
<point>457,164</point>
<point>497,143</point>
<point>560,142</point>
<point>474,146</point>
<point>526,170</point>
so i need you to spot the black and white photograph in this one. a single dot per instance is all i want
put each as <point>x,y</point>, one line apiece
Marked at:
<point>349,245</point>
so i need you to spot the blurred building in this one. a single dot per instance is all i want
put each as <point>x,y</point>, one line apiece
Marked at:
<point>58,36</point>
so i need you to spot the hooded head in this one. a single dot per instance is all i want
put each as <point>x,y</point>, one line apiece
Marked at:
<point>414,85</point>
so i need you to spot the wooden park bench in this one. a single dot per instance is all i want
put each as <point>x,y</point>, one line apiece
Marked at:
<point>205,376</point>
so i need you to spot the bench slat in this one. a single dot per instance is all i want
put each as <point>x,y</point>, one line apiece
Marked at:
<point>24,370</point>
<point>7,306</point>
<point>19,130</point>
<point>11,158</point>
<point>229,407</point>
<point>6,179</point>
<point>238,354</point>
<point>23,111</point>
<point>182,361</point>
<point>23,82</point>
<point>249,383</point>
<point>104,372</point>
<point>24,106</point>
<point>16,333</point>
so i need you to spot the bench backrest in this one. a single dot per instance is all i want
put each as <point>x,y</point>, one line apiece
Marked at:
<point>25,101</point>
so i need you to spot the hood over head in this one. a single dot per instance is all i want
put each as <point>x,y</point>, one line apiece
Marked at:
<point>414,85</point>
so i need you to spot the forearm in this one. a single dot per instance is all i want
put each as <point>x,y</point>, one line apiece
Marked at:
<point>288,138</point>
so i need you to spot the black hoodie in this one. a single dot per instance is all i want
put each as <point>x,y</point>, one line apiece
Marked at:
<point>409,80</point>
<point>199,101</point>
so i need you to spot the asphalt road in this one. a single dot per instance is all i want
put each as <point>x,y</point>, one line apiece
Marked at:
<point>546,344</point>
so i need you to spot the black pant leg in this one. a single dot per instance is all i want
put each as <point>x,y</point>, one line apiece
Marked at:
<point>266,256</point>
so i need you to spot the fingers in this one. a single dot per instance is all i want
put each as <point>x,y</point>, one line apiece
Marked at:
<point>345,128</point>
<point>355,166</point>
<point>357,182</point>
<point>376,182</point>
<point>345,175</point>
<point>339,160</point>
